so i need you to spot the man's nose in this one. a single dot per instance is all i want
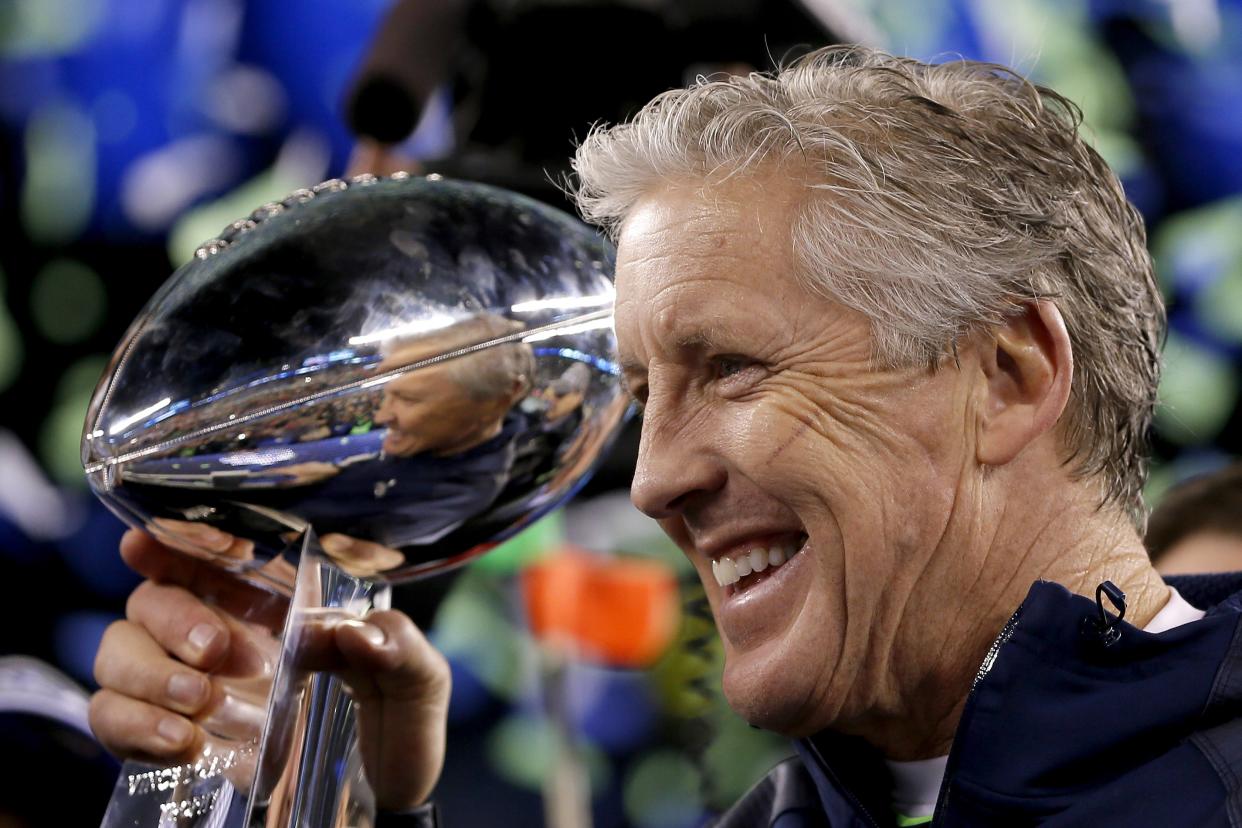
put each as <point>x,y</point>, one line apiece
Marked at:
<point>382,415</point>
<point>675,466</point>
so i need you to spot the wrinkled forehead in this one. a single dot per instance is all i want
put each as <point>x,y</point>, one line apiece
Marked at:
<point>695,253</point>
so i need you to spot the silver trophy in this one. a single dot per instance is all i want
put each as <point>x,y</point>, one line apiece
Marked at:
<point>369,382</point>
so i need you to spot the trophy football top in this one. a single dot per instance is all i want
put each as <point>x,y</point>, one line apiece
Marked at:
<point>414,368</point>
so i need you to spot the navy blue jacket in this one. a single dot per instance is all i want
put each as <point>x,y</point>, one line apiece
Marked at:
<point>1060,729</point>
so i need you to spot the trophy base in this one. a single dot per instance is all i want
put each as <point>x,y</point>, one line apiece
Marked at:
<point>193,795</point>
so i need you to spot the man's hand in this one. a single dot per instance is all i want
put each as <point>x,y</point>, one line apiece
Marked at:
<point>360,558</point>
<point>311,471</point>
<point>191,662</point>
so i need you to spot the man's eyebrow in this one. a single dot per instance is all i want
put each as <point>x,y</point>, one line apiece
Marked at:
<point>698,340</point>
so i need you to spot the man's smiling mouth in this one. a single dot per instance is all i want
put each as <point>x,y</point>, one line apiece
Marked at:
<point>750,566</point>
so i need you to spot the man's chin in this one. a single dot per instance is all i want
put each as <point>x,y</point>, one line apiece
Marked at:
<point>769,694</point>
<point>395,445</point>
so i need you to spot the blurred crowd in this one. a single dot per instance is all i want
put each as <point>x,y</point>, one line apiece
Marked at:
<point>133,131</point>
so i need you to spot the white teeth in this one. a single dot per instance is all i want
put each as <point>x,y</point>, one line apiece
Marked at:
<point>758,560</point>
<point>729,570</point>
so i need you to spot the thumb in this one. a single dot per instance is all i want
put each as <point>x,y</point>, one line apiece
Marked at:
<point>402,685</point>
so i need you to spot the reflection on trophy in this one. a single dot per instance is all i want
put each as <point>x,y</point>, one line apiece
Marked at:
<point>369,382</point>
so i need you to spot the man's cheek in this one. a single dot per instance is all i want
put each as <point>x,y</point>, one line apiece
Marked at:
<point>789,452</point>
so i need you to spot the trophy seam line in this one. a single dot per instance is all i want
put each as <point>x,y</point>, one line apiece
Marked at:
<point>379,379</point>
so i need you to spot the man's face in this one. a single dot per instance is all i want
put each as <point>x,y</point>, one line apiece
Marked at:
<point>428,410</point>
<point>766,425</point>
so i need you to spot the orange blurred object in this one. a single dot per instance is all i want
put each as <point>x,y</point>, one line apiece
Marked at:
<point>622,612</point>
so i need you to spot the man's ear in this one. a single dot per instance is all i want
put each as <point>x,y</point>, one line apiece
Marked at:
<point>1027,366</point>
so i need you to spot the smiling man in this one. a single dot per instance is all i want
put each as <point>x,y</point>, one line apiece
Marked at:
<point>895,333</point>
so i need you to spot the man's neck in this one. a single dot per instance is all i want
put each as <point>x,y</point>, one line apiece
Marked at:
<point>1070,543</point>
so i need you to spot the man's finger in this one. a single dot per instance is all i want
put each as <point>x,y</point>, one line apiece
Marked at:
<point>180,623</point>
<point>388,647</point>
<point>402,684</point>
<point>132,663</point>
<point>131,728</point>
<point>157,562</point>
<point>152,559</point>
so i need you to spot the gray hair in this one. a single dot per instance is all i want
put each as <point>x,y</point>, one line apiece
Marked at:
<point>941,199</point>
<point>487,374</point>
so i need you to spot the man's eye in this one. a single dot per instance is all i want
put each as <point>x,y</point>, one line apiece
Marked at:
<point>727,366</point>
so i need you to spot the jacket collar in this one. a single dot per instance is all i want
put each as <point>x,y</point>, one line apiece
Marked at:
<point>1057,712</point>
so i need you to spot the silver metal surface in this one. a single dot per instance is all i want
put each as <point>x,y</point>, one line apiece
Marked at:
<point>368,382</point>
<point>414,368</point>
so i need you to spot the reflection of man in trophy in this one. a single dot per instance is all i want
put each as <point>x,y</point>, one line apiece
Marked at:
<point>451,407</point>
<point>451,428</point>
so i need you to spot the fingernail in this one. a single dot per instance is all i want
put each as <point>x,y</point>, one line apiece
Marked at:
<point>186,688</point>
<point>200,637</point>
<point>215,537</point>
<point>175,731</point>
<point>373,634</point>
<point>336,544</point>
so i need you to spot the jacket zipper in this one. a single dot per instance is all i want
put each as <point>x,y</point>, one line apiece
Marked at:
<point>985,667</point>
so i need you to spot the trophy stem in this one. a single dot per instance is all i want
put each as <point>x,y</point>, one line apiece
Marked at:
<point>310,771</point>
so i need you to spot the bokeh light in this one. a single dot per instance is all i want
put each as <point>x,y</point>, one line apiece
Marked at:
<point>60,439</point>
<point>523,748</point>
<point>11,347</point>
<point>1198,391</point>
<point>68,301</point>
<point>77,637</point>
<point>662,791</point>
<point>59,190</point>
<point>47,27</point>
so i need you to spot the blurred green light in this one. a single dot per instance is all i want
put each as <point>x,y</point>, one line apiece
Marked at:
<point>1195,248</point>
<point>528,546</point>
<point>1198,390</point>
<point>472,626</point>
<point>42,28</point>
<point>1160,478</point>
<point>10,349</point>
<point>81,377</point>
<point>60,440</point>
<point>1190,464</point>
<point>59,191</point>
<point>522,748</point>
<point>1219,306</point>
<point>739,755</point>
<point>68,301</point>
<point>662,791</point>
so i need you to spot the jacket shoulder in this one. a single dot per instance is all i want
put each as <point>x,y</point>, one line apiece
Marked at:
<point>785,798</point>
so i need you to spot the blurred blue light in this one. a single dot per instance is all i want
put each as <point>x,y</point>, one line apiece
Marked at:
<point>91,553</point>
<point>470,696</point>
<point>76,638</point>
<point>614,709</point>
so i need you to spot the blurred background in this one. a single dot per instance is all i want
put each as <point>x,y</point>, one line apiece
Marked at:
<point>132,130</point>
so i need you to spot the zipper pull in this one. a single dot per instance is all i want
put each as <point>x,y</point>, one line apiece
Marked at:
<point>1105,627</point>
